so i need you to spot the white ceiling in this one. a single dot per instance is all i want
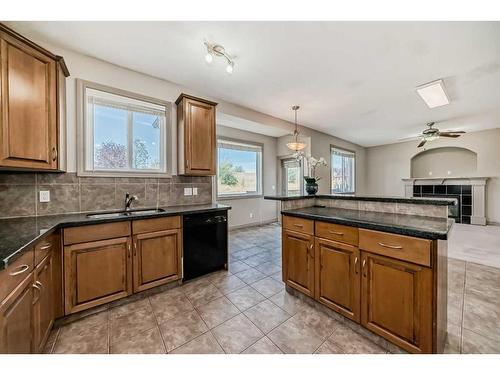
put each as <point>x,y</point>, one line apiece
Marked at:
<point>354,80</point>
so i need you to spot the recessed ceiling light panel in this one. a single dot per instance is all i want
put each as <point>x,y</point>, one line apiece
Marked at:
<point>433,94</point>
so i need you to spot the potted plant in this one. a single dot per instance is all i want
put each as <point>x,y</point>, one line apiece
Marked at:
<point>311,179</point>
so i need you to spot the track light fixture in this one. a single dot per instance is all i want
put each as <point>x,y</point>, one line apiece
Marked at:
<point>217,50</point>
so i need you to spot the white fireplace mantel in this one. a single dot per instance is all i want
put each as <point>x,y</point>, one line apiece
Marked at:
<point>478,192</point>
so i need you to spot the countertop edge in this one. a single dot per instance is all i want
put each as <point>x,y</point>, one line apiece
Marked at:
<point>374,226</point>
<point>77,223</point>
<point>435,202</point>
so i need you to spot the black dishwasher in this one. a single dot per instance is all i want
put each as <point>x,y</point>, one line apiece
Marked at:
<point>205,243</point>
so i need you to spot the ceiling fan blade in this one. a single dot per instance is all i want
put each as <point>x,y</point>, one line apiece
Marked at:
<point>449,135</point>
<point>409,139</point>
<point>422,143</point>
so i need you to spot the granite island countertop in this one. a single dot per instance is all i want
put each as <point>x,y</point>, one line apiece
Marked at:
<point>409,225</point>
<point>367,198</point>
<point>17,234</point>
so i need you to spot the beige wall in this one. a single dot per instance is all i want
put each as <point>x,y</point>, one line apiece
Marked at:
<point>387,165</point>
<point>261,210</point>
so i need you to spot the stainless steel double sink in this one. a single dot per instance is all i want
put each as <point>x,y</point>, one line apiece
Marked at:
<point>110,215</point>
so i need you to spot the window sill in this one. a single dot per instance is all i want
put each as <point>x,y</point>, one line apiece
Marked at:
<point>124,174</point>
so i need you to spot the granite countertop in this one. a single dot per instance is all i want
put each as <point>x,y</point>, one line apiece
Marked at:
<point>433,201</point>
<point>409,225</point>
<point>17,234</point>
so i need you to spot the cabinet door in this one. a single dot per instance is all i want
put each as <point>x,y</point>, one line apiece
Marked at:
<point>96,273</point>
<point>28,121</point>
<point>200,138</point>
<point>157,258</point>
<point>396,301</point>
<point>298,261</point>
<point>16,318</point>
<point>337,277</point>
<point>43,304</point>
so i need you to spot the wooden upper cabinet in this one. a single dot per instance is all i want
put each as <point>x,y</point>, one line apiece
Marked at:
<point>157,258</point>
<point>196,130</point>
<point>396,301</point>
<point>29,113</point>
<point>43,304</point>
<point>298,261</point>
<point>96,273</point>
<point>16,319</point>
<point>338,277</point>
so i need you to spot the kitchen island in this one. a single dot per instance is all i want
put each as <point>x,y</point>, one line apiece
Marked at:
<point>378,262</point>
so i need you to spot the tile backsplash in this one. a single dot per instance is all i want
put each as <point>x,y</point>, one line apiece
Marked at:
<point>70,193</point>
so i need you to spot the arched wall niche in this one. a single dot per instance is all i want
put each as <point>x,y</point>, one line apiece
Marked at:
<point>444,162</point>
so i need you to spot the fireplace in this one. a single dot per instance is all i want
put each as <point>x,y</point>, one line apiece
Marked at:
<point>462,211</point>
<point>470,193</point>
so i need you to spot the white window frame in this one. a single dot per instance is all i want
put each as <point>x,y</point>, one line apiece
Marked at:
<point>346,151</point>
<point>85,144</point>
<point>259,169</point>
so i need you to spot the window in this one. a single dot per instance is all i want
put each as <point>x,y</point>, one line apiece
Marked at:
<point>291,176</point>
<point>343,173</point>
<point>123,134</point>
<point>239,169</point>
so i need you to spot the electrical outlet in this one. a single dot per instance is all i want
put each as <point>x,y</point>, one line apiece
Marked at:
<point>251,215</point>
<point>44,195</point>
<point>188,191</point>
<point>195,191</point>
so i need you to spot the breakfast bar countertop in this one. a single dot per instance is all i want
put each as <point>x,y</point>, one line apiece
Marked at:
<point>409,225</point>
<point>18,234</point>
<point>367,198</point>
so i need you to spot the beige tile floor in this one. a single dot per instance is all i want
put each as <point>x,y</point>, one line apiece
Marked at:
<point>247,310</point>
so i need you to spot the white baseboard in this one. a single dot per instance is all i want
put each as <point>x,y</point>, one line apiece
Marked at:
<point>254,224</point>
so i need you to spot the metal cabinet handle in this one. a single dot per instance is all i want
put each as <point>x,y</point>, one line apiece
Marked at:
<point>298,225</point>
<point>19,270</point>
<point>395,247</point>
<point>35,286</point>
<point>337,233</point>
<point>135,248</point>
<point>45,247</point>
<point>40,285</point>
<point>355,265</point>
<point>364,268</point>
<point>311,253</point>
<point>129,250</point>
<point>54,154</point>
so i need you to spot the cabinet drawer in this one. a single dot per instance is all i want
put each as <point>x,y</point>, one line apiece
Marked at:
<point>336,232</point>
<point>89,233</point>
<point>12,275</point>
<point>299,225</point>
<point>45,246</point>
<point>411,249</point>
<point>154,225</point>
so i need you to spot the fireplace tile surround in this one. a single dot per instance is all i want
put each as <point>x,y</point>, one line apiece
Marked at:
<point>463,193</point>
<point>471,192</point>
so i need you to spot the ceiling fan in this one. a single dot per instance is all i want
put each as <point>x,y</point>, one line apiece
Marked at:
<point>431,134</point>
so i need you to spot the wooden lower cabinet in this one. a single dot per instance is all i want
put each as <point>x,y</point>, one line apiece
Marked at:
<point>338,277</point>
<point>97,272</point>
<point>43,303</point>
<point>157,258</point>
<point>16,312</point>
<point>396,301</point>
<point>298,261</point>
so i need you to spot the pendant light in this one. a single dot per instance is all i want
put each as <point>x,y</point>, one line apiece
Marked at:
<point>296,144</point>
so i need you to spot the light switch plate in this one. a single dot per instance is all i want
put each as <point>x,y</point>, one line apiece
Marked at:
<point>188,191</point>
<point>195,191</point>
<point>44,195</point>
